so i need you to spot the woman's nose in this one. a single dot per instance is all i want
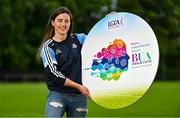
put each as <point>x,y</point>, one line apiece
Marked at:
<point>63,23</point>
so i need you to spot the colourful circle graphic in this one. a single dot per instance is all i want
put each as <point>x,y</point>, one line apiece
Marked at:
<point>119,60</point>
<point>110,62</point>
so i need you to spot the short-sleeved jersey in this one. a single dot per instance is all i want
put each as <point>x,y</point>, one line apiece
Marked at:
<point>61,60</point>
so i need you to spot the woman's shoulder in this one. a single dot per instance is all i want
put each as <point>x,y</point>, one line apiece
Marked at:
<point>80,36</point>
<point>47,44</point>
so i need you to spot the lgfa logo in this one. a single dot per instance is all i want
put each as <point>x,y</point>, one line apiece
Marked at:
<point>115,23</point>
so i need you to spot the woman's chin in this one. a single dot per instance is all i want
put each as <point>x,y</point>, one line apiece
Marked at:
<point>63,33</point>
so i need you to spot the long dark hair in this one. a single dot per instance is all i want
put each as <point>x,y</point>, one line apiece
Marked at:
<point>49,30</point>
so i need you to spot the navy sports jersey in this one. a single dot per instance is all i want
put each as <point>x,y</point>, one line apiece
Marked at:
<point>61,60</point>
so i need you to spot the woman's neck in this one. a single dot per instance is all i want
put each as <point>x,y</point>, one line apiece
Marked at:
<point>59,37</point>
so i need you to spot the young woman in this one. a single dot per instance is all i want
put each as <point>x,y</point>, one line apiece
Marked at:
<point>60,52</point>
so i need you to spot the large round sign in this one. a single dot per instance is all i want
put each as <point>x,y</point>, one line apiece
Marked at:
<point>119,60</point>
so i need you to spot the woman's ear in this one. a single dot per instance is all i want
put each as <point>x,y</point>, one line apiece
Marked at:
<point>52,22</point>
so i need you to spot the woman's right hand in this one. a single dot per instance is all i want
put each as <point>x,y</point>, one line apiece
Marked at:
<point>84,90</point>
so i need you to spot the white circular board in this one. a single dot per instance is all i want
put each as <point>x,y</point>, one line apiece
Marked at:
<point>119,60</point>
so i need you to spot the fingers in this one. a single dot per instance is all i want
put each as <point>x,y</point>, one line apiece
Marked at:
<point>86,92</point>
<point>89,95</point>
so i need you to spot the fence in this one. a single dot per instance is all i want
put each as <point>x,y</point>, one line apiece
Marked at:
<point>15,77</point>
<point>28,77</point>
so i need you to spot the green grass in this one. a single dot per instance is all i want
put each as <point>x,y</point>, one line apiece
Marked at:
<point>162,99</point>
<point>115,101</point>
<point>22,99</point>
<point>28,99</point>
<point>119,98</point>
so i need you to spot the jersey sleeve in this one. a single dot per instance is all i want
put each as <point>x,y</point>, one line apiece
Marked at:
<point>81,37</point>
<point>50,65</point>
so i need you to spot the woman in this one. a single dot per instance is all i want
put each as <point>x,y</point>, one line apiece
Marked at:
<point>61,55</point>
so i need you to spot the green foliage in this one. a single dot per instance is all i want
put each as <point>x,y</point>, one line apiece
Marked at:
<point>23,22</point>
<point>22,25</point>
<point>21,31</point>
<point>164,18</point>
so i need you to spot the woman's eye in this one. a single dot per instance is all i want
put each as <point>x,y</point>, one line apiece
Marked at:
<point>67,21</point>
<point>59,21</point>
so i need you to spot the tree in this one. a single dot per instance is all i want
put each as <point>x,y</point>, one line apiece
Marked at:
<point>23,22</point>
<point>164,18</point>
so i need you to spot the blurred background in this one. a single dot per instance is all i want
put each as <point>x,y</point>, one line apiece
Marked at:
<point>22,23</point>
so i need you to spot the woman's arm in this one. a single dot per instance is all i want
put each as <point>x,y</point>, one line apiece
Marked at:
<point>84,90</point>
<point>48,58</point>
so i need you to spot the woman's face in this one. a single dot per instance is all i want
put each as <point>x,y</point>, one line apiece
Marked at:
<point>61,24</point>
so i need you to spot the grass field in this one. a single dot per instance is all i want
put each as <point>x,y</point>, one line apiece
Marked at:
<point>28,99</point>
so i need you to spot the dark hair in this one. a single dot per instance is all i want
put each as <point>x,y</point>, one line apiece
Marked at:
<point>49,30</point>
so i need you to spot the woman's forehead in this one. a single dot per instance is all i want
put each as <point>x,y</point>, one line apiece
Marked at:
<point>63,16</point>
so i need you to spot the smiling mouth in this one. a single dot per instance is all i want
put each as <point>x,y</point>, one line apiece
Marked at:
<point>62,28</point>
